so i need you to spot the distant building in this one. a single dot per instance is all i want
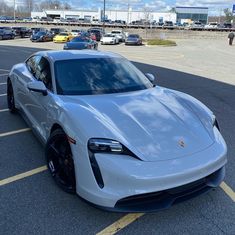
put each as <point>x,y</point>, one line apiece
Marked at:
<point>186,14</point>
<point>112,14</point>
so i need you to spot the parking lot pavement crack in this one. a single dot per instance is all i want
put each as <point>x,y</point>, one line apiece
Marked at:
<point>213,223</point>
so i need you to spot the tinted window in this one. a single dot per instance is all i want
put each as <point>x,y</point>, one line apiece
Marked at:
<point>109,35</point>
<point>98,76</point>
<point>39,67</point>
<point>63,34</point>
<point>133,36</point>
<point>32,64</point>
<point>80,39</point>
<point>40,33</point>
<point>43,72</point>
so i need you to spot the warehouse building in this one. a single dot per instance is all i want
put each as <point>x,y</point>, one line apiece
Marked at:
<point>90,15</point>
<point>181,15</point>
<point>191,14</point>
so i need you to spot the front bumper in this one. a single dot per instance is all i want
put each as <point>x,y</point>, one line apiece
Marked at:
<point>60,41</point>
<point>131,185</point>
<point>151,202</point>
<point>131,43</point>
<point>108,42</point>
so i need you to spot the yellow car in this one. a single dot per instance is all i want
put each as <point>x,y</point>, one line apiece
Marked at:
<point>63,37</point>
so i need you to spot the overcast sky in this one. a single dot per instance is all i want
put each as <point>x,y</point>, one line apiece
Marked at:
<point>215,6</point>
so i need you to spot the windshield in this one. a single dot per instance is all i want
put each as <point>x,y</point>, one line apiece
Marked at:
<point>109,35</point>
<point>63,34</point>
<point>40,33</point>
<point>80,39</point>
<point>133,36</point>
<point>98,76</point>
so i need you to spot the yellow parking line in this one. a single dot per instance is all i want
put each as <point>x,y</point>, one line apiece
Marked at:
<point>23,175</point>
<point>228,190</point>
<point>3,94</point>
<point>120,224</point>
<point>4,110</point>
<point>14,132</point>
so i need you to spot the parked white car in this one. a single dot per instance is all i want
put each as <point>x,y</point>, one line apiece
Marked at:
<point>212,25</point>
<point>113,137</point>
<point>120,35</point>
<point>76,32</point>
<point>109,39</point>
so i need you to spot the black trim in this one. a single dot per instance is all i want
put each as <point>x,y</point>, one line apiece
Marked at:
<point>150,202</point>
<point>96,169</point>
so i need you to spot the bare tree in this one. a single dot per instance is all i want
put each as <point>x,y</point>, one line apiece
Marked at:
<point>29,5</point>
<point>228,15</point>
<point>67,6</point>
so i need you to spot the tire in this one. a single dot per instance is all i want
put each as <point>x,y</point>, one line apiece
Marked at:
<point>10,97</point>
<point>1,37</point>
<point>60,161</point>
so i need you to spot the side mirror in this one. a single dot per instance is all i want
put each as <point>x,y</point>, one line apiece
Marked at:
<point>37,86</point>
<point>150,77</point>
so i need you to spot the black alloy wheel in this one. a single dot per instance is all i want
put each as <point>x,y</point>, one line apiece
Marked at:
<point>60,161</point>
<point>10,97</point>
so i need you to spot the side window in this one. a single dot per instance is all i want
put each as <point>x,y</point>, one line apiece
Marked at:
<point>32,64</point>
<point>44,73</point>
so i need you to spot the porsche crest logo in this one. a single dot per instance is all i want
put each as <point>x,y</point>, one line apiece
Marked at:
<point>181,143</point>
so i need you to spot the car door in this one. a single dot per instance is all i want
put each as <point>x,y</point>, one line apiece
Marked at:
<point>39,103</point>
<point>23,77</point>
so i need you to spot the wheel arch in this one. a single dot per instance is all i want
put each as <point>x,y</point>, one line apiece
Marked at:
<point>56,126</point>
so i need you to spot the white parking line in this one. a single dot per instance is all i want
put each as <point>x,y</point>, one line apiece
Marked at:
<point>3,83</point>
<point>4,74</point>
<point>23,175</point>
<point>5,70</point>
<point>4,110</point>
<point>3,94</point>
<point>14,132</point>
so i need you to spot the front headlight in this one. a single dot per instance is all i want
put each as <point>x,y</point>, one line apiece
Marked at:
<point>104,145</point>
<point>108,146</point>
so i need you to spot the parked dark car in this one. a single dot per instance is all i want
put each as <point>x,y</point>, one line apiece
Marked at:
<point>227,25</point>
<point>6,33</point>
<point>133,39</point>
<point>22,31</point>
<point>55,31</point>
<point>80,43</point>
<point>97,31</point>
<point>41,37</point>
<point>46,19</point>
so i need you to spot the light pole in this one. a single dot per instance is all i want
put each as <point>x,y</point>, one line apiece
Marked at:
<point>104,15</point>
<point>14,10</point>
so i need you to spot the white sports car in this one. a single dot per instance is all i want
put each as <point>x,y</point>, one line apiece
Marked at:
<point>118,141</point>
<point>109,39</point>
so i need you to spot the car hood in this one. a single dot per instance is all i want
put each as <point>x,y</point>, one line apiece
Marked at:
<point>154,123</point>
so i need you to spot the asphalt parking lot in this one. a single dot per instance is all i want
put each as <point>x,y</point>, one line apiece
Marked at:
<point>32,204</point>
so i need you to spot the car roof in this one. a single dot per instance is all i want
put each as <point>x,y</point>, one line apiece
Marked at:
<point>76,54</point>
